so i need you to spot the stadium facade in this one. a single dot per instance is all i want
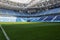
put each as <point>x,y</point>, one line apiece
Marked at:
<point>41,11</point>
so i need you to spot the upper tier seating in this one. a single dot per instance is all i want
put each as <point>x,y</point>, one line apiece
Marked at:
<point>11,12</point>
<point>52,11</point>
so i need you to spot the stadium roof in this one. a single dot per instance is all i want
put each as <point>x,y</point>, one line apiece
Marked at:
<point>22,4</point>
<point>21,1</point>
<point>35,2</point>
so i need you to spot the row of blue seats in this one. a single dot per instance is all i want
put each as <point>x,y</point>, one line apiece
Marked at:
<point>52,11</point>
<point>41,19</point>
<point>11,12</point>
<point>35,19</point>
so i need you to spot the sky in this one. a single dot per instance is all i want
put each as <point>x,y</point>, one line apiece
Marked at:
<point>21,1</point>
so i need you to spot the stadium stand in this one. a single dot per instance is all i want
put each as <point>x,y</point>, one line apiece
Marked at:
<point>48,11</point>
<point>34,19</point>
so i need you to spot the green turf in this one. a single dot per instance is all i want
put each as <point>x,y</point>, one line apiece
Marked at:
<point>1,35</point>
<point>34,31</point>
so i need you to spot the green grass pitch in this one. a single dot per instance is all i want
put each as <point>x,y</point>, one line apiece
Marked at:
<point>1,35</point>
<point>31,31</point>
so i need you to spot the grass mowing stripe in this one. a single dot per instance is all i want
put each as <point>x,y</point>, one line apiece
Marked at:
<point>5,34</point>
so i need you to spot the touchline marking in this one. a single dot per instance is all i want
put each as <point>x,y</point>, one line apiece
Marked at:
<point>5,34</point>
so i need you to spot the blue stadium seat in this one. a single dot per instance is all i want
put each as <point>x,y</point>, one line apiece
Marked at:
<point>35,19</point>
<point>18,20</point>
<point>57,19</point>
<point>49,18</point>
<point>52,11</point>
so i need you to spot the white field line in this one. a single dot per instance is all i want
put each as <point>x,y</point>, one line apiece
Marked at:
<point>5,34</point>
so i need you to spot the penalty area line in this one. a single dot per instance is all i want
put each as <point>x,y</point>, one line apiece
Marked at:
<point>5,34</point>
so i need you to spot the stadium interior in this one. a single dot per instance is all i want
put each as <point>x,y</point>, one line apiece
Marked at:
<point>29,19</point>
<point>34,11</point>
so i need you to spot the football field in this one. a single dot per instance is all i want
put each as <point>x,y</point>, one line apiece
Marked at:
<point>30,31</point>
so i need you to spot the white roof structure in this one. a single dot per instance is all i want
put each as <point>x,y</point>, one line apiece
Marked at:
<point>18,4</point>
<point>21,1</point>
